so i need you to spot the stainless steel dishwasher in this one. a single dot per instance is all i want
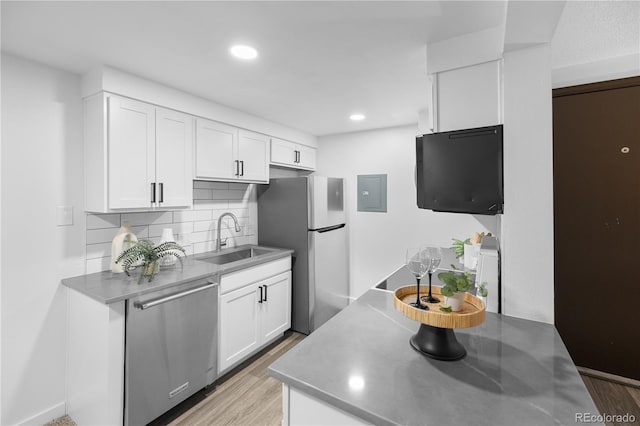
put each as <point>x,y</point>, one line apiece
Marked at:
<point>170,347</point>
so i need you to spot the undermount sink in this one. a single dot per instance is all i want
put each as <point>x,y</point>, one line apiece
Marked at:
<point>223,258</point>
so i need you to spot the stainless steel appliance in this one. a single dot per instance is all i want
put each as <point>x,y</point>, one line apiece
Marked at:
<point>307,214</point>
<point>170,348</point>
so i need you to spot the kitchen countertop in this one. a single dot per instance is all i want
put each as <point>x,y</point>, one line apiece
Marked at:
<point>516,371</point>
<point>108,287</point>
<point>402,277</point>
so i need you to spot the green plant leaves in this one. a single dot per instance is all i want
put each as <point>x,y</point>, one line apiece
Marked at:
<point>145,253</point>
<point>446,309</point>
<point>455,281</point>
<point>458,246</point>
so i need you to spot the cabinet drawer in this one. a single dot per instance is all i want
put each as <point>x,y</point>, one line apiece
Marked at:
<point>235,280</point>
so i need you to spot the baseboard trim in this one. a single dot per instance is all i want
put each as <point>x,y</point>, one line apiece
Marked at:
<point>609,377</point>
<point>45,416</point>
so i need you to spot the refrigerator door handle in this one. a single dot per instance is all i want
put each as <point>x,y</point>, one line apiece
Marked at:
<point>328,228</point>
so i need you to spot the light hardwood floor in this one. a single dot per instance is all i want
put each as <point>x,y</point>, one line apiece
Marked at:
<point>246,396</point>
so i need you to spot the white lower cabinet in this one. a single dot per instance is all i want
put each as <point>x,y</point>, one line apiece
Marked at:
<point>255,314</point>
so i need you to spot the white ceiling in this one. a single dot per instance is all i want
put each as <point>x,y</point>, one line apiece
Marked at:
<point>319,61</point>
<point>589,31</point>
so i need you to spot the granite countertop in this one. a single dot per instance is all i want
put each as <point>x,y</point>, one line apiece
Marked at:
<point>108,287</point>
<point>516,371</point>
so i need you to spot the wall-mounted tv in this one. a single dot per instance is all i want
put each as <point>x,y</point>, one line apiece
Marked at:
<point>461,171</point>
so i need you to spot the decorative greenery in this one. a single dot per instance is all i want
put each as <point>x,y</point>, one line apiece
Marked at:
<point>458,246</point>
<point>455,281</point>
<point>482,290</point>
<point>144,253</point>
<point>446,309</point>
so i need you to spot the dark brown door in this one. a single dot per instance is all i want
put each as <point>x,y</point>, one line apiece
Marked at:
<point>596,140</point>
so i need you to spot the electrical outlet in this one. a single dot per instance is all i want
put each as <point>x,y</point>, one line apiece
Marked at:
<point>249,230</point>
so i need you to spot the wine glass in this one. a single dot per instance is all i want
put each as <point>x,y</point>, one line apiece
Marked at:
<point>434,255</point>
<point>418,265</point>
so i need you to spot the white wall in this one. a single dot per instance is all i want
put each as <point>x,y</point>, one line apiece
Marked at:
<point>378,240</point>
<point>527,223</point>
<point>41,169</point>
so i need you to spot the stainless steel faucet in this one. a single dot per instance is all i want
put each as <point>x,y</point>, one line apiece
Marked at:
<point>235,220</point>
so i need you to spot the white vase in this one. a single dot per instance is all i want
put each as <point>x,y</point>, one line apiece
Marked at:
<point>455,302</point>
<point>471,253</point>
<point>167,236</point>
<point>122,241</point>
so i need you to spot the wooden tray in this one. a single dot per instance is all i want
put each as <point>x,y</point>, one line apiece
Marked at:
<point>471,314</point>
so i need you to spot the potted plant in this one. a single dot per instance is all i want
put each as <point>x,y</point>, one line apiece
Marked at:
<point>482,293</point>
<point>144,253</point>
<point>456,283</point>
<point>458,246</point>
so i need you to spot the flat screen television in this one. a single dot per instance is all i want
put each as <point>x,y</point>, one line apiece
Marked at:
<point>461,171</point>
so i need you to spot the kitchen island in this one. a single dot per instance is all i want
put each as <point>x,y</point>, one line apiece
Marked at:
<point>359,368</point>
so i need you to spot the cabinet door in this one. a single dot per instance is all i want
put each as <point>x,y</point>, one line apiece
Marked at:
<point>275,315</point>
<point>216,150</point>
<point>239,332</point>
<point>283,152</point>
<point>132,154</point>
<point>253,154</point>
<point>306,157</point>
<point>174,170</point>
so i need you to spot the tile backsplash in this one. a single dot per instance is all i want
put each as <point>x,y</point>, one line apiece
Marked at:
<point>194,229</point>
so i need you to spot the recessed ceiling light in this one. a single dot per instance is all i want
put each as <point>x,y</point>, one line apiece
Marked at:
<point>356,117</point>
<point>243,52</point>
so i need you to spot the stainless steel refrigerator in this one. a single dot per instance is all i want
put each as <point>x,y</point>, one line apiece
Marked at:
<point>307,214</point>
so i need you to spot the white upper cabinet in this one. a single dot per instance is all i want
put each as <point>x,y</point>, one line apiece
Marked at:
<point>226,153</point>
<point>137,156</point>
<point>215,150</point>
<point>293,155</point>
<point>131,150</point>
<point>253,156</point>
<point>174,159</point>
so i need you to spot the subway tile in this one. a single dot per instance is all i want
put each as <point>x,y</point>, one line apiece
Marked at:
<point>249,230</point>
<point>204,247</point>
<point>220,194</point>
<point>98,221</point>
<point>147,218</point>
<point>203,194</point>
<point>210,204</point>
<point>177,228</point>
<point>199,237</point>
<point>98,265</point>
<point>239,186</point>
<point>98,250</point>
<point>237,195</point>
<point>239,204</point>
<point>203,184</point>
<point>103,235</point>
<point>97,236</point>
<point>209,225</point>
<point>245,239</point>
<point>239,212</point>
<point>191,215</point>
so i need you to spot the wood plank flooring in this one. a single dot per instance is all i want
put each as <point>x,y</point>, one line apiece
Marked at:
<point>613,398</point>
<point>246,396</point>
